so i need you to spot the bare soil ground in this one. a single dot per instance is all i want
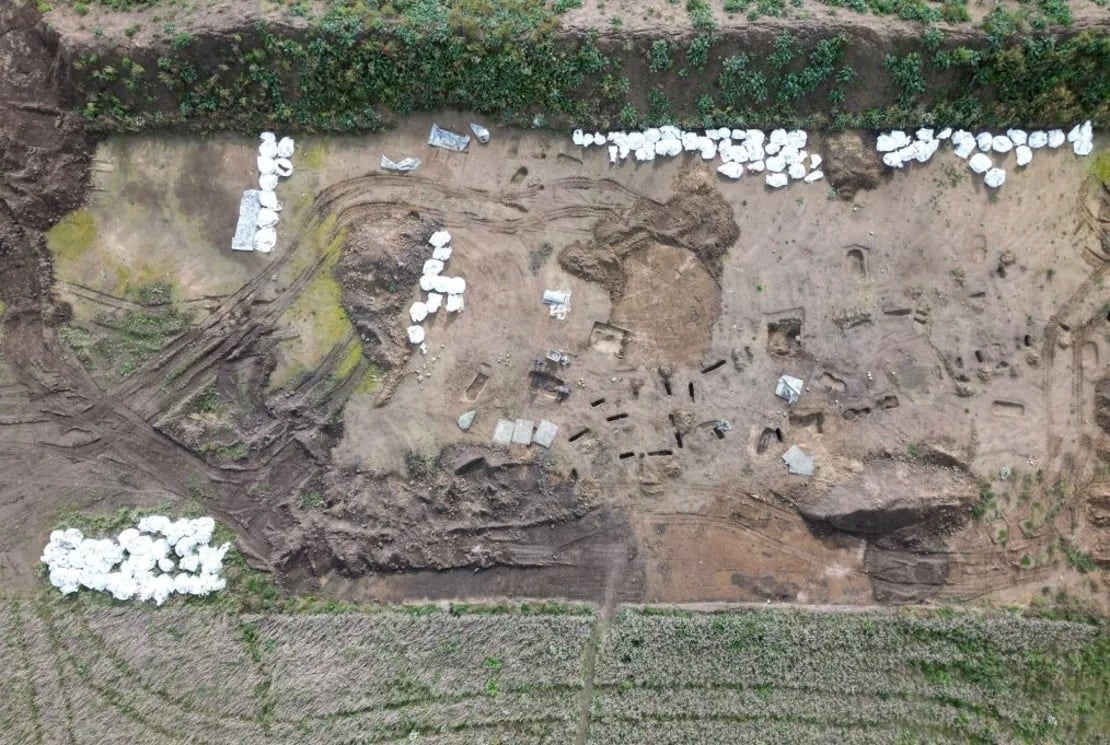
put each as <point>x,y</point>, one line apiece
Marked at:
<point>951,342</point>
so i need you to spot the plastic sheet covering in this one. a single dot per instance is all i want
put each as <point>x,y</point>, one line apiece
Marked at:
<point>480,132</point>
<point>439,137</point>
<point>404,165</point>
<point>249,206</point>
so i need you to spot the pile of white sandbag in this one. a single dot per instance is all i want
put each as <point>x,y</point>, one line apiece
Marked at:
<point>273,163</point>
<point>153,560</point>
<point>442,291</point>
<point>981,150</point>
<point>780,156</point>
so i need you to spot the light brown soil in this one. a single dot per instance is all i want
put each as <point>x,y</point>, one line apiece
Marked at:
<point>944,334</point>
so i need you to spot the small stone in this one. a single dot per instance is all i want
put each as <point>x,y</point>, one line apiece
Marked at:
<point>467,419</point>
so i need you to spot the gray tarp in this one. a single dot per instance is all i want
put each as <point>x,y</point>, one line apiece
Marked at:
<point>249,206</point>
<point>401,166</point>
<point>797,462</point>
<point>449,140</point>
<point>789,389</point>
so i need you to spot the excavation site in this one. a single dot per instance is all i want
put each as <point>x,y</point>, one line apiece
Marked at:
<point>454,371</point>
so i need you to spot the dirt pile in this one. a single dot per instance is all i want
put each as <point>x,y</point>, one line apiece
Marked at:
<point>468,507</point>
<point>381,263</point>
<point>852,165</point>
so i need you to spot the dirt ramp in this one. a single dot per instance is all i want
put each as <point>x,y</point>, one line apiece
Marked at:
<point>903,509</point>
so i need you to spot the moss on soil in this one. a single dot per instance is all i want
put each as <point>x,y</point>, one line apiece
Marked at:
<point>71,237</point>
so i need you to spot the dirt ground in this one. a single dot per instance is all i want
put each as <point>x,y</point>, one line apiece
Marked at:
<point>951,342</point>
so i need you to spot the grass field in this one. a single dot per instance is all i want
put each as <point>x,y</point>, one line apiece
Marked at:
<point>85,671</point>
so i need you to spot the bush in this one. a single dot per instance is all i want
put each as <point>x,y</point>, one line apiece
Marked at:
<point>659,59</point>
<point>905,74</point>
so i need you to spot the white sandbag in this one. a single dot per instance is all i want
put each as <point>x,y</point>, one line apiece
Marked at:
<point>1023,155</point>
<point>1083,147</point>
<point>944,134</point>
<point>777,180</point>
<point>796,171</point>
<point>435,300</point>
<point>1017,136</point>
<point>979,163</point>
<point>267,218</point>
<point>418,311</point>
<point>265,240</point>
<point>925,134</point>
<point>268,199</point>
<point>776,164</point>
<point>454,303</point>
<point>814,176</point>
<point>267,137</point>
<point>426,282</point>
<point>984,140</point>
<point>415,334</point>
<point>433,267</point>
<point>757,166</point>
<point>778,137</point>
<point>268,181</point>
<point>283,167</point>
<point>456,285</point>
<point>1055,138</point>
<point>1038,139</point>
<point>815,160</point>
<point>266,165</point>
<point>892,160</point>
<point>1002,144</point>
<point>267,149</point>
<point>578,137</point>
<point>731,170</point>
<point>441,254</point>
<point>439,239</point>
<point>995,178</point>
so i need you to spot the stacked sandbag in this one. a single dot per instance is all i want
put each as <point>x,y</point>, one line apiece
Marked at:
<point>274,163</point>
<point>984,151</point>
<point>149,562</point>
<point>441,290</point>
<point>780,155</point>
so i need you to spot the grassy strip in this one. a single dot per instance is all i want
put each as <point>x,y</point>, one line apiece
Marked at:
<point>359,64</point>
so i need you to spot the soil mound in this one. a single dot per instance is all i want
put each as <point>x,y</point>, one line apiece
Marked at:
<point>853,164</point>
<point>380,266</point>
<point>465,508</point>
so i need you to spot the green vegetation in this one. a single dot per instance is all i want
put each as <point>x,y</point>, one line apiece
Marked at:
<point>327,672</point>
<point>359,63</point>
<point>72,235</point>
<point>118,341</point>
